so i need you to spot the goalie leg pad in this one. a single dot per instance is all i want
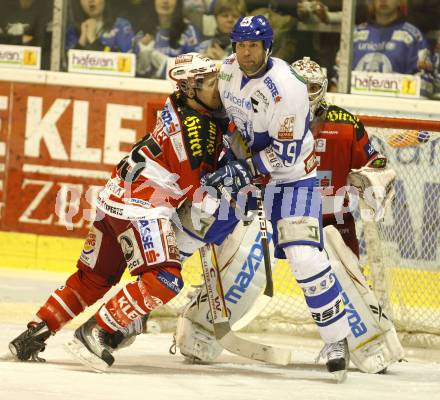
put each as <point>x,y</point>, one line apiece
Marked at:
<point>195,342</point>
<point>241,260</point>
<point>373,342</point>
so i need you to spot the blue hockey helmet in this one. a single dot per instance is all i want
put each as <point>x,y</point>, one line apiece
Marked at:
<point>253,29</point>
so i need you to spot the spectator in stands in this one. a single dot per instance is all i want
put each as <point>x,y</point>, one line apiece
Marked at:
<point>94,27</point>
<point>140,13</point>
<point>387,43</point>
<point>226,14</point>
<point>173,37</point>
<point>23,22</point>
<point>322,43</point>
<point>201,14</point>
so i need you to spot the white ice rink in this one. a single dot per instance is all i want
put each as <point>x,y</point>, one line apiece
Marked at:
<point>147,371</point>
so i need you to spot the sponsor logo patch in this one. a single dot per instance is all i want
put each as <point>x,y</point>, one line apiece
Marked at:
<point>285,132</point>
<point>273,89</point>
<point>320,145</point>
<point>238,101</point>
<point>130,249</point>
<point>90,251</point>
<point>170,281</point>
<point>150,234</point>
<point>369,149</point>
<point>324,178</point>
<point>310,163</point>
<point>179,147</point>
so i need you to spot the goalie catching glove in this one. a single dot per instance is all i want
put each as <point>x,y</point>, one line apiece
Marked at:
<point>375,185</point>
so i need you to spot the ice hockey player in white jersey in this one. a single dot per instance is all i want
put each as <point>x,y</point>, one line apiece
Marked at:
<point>373,342</point>
<point>269,106</point>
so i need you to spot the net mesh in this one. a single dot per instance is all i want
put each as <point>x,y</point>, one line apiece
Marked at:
<point>400,255</point>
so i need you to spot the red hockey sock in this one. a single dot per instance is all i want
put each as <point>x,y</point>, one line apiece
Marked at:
<point>81,290</point>
<point>133,301</point>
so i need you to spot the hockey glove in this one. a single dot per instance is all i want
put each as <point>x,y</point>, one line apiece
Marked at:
<point>235,175</point>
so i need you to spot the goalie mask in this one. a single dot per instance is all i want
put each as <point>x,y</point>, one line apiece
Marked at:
<point>316,80</point>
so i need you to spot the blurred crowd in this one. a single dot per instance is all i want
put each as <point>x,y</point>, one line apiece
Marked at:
<point>401,36</point>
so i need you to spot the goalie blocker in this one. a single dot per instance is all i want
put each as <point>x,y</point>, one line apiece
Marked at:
<point>373,342</point>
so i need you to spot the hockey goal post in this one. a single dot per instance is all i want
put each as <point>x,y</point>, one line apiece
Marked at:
<point>400,255</point>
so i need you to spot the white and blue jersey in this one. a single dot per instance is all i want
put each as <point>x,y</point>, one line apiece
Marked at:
<point>400,48</point>
<point>271,113</point>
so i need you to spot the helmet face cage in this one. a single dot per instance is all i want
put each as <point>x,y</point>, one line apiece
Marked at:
<point>253,29</point>
<point>315,79</point>
<point>189,70</point>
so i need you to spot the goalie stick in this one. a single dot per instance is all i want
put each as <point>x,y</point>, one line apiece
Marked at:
<point>219,313</point>
<point>264,299</point>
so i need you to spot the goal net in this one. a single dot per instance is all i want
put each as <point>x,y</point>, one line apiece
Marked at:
<point>400,255</point>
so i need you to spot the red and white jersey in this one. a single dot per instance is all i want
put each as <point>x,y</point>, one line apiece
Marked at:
<point>341,144</point>
<point>164,167</point>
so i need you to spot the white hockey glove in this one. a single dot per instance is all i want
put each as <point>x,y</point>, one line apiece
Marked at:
<point>376,188</point>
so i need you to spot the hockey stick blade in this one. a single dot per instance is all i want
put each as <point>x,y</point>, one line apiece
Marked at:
<point>222,328</point>
<point>249,349</point>
<point>259,305</point>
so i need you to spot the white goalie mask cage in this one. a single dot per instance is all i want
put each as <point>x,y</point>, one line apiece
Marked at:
<point>315,78</point>
<point>190,67</point>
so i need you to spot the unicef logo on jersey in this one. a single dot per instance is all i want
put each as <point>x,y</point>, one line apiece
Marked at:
<point>374,62</point>
<point>240,102</point>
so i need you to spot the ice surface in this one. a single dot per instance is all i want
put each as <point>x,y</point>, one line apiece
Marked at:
<point>147,371</point>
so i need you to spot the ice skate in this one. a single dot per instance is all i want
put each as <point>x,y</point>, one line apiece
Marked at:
<point>27,345</point>
<point>90,347</point>
<point>338,358</point>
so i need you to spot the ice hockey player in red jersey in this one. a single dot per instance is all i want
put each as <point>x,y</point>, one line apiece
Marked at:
<point>341,145</point>
<point>134,225</point>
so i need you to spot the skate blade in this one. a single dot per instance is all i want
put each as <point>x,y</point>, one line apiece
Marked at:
<point>340,376</point>
<point>83,355</point>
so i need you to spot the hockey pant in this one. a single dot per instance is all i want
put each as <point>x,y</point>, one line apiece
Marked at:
<point>147,248</point>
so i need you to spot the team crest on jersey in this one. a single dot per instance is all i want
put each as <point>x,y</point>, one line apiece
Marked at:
<point>285,131</point>
<point>243,123</point>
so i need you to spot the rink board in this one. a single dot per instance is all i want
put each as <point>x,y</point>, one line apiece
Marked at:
<point>59,254</point>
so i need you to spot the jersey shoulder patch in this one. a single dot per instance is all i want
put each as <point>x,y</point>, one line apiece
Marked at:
<point>339,115</point>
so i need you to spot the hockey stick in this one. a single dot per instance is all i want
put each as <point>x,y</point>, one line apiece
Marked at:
<point>268,290</point>
<point>264,299</point>
<point>222,328</point>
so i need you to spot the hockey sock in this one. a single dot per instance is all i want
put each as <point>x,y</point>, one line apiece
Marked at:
<point>65,303</point>
<point>133,301</point>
